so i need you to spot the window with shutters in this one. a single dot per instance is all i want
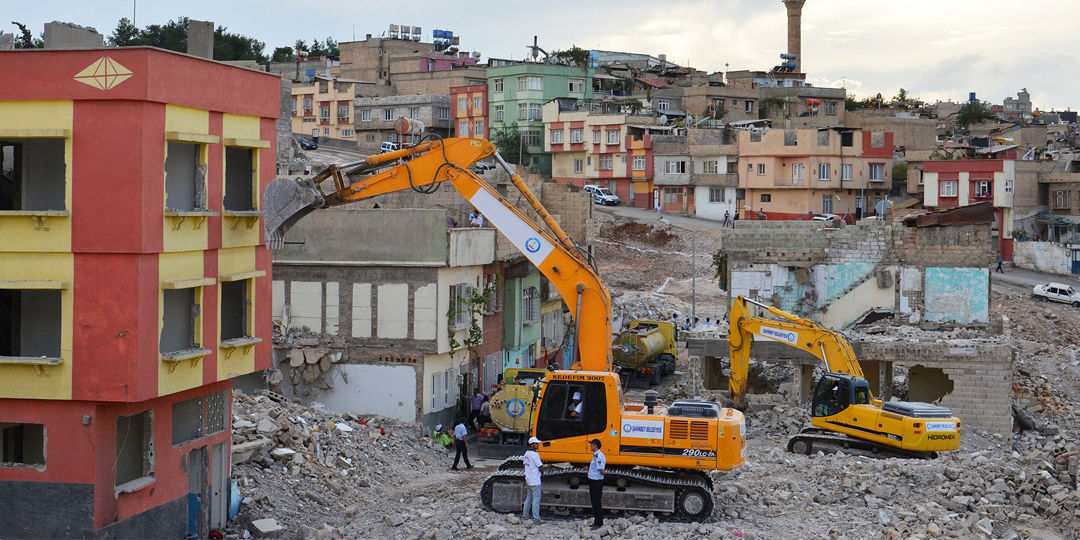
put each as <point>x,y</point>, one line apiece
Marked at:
<point>459,304</point>
<point>530,305</point>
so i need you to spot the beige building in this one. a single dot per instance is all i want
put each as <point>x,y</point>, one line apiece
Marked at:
<point>790,174</point>
<point>401,67</point>
<point>375,118</point>
<point>324,109</point>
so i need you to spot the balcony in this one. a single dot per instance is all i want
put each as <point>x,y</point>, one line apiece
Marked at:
<point>1059,178</point>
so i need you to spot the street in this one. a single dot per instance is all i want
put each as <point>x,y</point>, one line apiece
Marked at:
<point>1021,281</point>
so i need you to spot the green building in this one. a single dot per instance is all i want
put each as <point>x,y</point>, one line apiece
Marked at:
<point>517,92</point>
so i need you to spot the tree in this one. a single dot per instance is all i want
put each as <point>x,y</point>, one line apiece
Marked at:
<point>507,140</point>
<point>574,55</point>
<point>25,39</point>
<point>125,35</point>
<point>900,99</point>
<point>332,47</point>
<point>283,54</point>
<point>317,48</point>
<point>899,173</point>
<point>974,112</point>
<point>229,46</point>
<point>301,45</point>
<point>171,36</point>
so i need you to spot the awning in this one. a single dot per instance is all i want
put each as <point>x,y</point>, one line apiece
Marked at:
<point>1043,215</point>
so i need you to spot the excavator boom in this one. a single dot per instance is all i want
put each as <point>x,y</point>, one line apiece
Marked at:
<point>422,168</point>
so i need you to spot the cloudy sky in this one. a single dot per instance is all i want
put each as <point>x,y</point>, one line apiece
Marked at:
<point>939,49</point>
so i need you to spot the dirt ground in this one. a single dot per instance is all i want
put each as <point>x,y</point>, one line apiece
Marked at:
<point>380,479</point>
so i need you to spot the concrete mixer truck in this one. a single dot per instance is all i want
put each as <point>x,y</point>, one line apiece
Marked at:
<point>511,408</point>
<point>646,350</point>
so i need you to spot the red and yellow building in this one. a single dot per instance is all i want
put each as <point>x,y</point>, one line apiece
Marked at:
<point>133,286</point>
<point>469,110</point>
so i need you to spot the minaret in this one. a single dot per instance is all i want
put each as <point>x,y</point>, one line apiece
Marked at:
<point>794,30</point>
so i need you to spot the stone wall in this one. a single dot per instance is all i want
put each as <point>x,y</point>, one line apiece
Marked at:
<point>1043,257</point>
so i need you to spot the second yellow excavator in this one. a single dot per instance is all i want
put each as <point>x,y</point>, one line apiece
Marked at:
<point>844,413</point>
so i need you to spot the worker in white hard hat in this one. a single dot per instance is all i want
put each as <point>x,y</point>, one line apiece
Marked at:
<point>534,467</point>
<point>575,407</point>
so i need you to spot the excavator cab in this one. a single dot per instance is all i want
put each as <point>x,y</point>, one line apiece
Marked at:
<point>836,392</point>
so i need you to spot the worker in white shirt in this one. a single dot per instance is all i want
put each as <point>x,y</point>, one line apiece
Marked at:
<point>461,445</point>
<point>575,407</point>
<point>533,468</point>
<point>596,483</point>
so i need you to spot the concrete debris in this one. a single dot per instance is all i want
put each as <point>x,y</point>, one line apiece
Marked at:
<point>266,528</point>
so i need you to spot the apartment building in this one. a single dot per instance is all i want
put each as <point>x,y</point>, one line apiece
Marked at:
<point>956,183</point>
<point>469,109</point>
<point>401,313</point>
<point>517,94</point>
<point>324,109</point>
<point>133,286</point>
<point>604,143</point>
<point>696,173</point>
<point>791,174</point>
<point>375,117</point>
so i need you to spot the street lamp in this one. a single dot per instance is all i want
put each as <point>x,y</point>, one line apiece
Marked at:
<point>693,268</point>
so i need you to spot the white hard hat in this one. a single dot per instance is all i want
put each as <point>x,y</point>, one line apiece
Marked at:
<point>836,388</point>
<point>438,427</point>
<point>577,395</point>
<point>534,440</point>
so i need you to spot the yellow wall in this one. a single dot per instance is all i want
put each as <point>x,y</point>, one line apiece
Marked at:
<point>24,119</point>
<point>240,360</point>
<point>185,233</point>
<point>53,382</point>
<point>187,373</point>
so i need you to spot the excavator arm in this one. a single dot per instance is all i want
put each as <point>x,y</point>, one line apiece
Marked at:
<point>422,168</point>
<point>827,345</point>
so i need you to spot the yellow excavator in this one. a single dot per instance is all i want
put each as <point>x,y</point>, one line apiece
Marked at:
<point>844,414</point>
<point>659,456</point>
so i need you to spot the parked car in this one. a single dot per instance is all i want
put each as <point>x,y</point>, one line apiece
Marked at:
<point>480,167</point>
<point>824,217</point>
<point>602,195</point>
<point>306,144</point>
<point>1056,292</point>
<point>388,146</point>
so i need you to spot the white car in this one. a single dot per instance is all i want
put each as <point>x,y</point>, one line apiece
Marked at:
<point>824,217</point>
<point>602,195</point>
<point>1056,292</point>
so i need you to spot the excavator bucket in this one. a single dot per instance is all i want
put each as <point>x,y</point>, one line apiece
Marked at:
<point>285,202</point>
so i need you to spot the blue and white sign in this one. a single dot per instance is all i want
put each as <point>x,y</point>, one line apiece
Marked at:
<point>515,408</point>
<point>643,429</point>
<point>941,426</point>
<point>786,336</point>
<point>532,245</point>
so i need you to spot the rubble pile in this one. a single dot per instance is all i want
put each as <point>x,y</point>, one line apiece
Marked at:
<point>306,466</point>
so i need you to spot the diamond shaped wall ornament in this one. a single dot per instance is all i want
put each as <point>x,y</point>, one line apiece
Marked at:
<point>104,74</point>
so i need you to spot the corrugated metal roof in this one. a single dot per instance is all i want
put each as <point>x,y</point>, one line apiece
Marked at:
<point>975,214</point>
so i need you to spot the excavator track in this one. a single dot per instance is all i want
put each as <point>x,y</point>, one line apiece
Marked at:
<point>812,440</point>
<point>672,495</point>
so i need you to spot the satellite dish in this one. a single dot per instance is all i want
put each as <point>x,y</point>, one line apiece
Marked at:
<point>663,119</point>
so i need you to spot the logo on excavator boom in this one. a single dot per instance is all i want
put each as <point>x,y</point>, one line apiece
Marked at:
<point>532,245</point>
<point>786,336</point>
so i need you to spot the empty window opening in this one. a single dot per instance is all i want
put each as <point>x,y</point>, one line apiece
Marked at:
<point>22,444</point>
<point>239,179</point>
<point>847,138</point>
<point>134,447</point>
<point>32,174</point>
<point>29,323</point>
<point>927,384</point>
<point>185,187</point>
<point>235,304</point>
<point>178,321</point>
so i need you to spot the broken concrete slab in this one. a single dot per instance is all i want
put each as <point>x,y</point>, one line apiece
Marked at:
<point>266,528</point>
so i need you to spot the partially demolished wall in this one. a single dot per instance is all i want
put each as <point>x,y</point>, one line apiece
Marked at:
<point>928,276</point>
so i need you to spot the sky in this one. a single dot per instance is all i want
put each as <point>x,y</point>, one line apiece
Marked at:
<point>936,50</point>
